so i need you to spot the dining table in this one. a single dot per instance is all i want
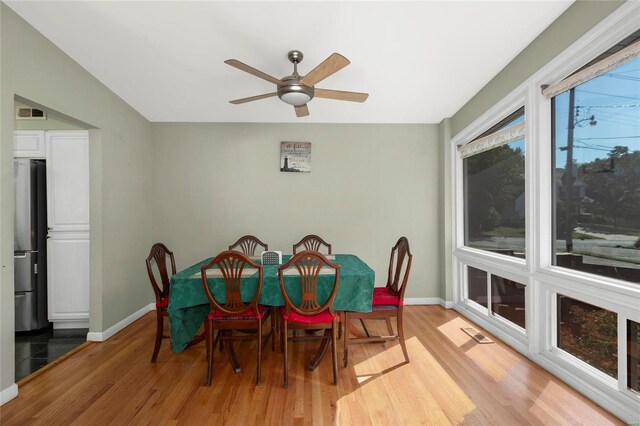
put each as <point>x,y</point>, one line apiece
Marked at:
<point>188,304</point>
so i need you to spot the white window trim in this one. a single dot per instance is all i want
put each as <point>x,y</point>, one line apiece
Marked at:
<point>616,60</point>
<point>494,140</point>
<point>543,280</point>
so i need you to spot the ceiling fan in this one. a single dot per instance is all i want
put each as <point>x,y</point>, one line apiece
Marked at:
<point>298,90</point>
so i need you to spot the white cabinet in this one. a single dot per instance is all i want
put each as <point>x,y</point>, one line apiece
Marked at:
<point>29,144</point>
<point>68,181</point>
<point>67,154</point>
<point>68,277</point>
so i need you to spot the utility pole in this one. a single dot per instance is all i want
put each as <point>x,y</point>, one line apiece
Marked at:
<point>568,173</point>
<point>568,178</point>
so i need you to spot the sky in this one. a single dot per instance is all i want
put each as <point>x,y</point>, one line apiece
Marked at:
<point>614,101</point>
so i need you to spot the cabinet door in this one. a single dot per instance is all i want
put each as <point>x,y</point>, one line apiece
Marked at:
<point>29,144</point>
<point>68,181</point>
<point>68,276</point>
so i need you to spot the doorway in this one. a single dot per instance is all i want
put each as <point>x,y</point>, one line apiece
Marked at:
<point>51,250</point>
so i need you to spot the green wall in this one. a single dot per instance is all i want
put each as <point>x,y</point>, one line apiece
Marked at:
<point>369,184</point>
<point>579,18</point>
<point>35,69</point>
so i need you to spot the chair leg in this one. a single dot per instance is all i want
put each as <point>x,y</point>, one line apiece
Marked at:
<point>159,332</point>
<point>286,361</point>
<point>334,351</point>
<point>389,328</point>
<point>206,337</point>
<point>401,336</point>
<point>346,339</point>
<point>283,334</point>
<point>259,367</point>
<point>210,350</point>
<point>365,328</point>
<point>273,329</point>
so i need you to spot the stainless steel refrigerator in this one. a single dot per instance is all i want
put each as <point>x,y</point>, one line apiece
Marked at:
<point>30,244</point>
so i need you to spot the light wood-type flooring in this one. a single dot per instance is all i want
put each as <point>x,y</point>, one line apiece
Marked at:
<point>451,380</point>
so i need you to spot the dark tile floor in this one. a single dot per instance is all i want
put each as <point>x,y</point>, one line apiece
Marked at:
<point>35,349</point>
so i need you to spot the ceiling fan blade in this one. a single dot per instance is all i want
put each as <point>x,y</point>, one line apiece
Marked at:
<point>302,110</point>
<point>340,95</point>
<point>329,66</point>
<point>246,68</point>
<point>252,98</point>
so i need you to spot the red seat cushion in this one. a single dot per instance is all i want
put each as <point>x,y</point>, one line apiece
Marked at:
<point>323,317</point>
<point>163,303</point>
<point>245,315</point>
<point>383,296</point>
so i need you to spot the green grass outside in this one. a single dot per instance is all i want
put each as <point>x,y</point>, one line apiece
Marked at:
<point>604,256</point>
<point>505,231</point>
<point>609,229</point>
<point>581,236</point>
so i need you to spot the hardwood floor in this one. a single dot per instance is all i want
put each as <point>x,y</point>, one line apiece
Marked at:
<point>450,380</point>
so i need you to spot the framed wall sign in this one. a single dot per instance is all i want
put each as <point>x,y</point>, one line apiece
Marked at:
<point>295,157</point>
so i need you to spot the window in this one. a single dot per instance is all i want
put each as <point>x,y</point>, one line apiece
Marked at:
<point>495,196</point>
<point>596,177</point>
<point>589,333</point>
<point>633,361</point>
<point>477,285</point>
<point>507,300</point>
<point>506,297</point>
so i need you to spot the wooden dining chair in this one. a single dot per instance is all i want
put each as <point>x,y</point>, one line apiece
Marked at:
<point>303,311</point>
<point>234,314</point>
<point>248,245</point>
<point>158,255</point>
<point>387,303</point>
<point>312,242</point>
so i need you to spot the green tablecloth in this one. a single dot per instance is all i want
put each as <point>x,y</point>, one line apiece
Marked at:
<point>188,306</point>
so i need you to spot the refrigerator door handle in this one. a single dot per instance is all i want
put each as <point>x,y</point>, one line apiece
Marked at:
<point>23,254</point>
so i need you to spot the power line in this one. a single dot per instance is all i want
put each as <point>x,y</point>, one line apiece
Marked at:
<point>623,77</point>
<point>613,106</point>
<point>606,138</point>
<point>607,94</point>
<point>625,71</point>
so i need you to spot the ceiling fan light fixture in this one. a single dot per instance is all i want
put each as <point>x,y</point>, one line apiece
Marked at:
<point>295,98</point>
<point>295,94</point>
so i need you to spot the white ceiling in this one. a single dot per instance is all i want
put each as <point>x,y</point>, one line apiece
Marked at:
<point>419,61</point>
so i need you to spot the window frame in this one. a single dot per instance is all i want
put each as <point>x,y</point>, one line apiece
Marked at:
<point>495,127</point>
<point>543,280</point>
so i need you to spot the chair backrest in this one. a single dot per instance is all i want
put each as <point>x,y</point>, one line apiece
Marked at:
<point>312,242</point>
<point>399,267</point>
<point>248,245</point>
<point>309,265</point>
<point>232,266</point>
<point>158,254</point>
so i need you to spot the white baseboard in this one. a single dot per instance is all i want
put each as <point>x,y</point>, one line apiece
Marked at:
<point>447,304</point>
<point>8,394</point>
<point>62,325</point>
<point>102,336</point>
<point>428,301</point>
<point>421,300</point>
